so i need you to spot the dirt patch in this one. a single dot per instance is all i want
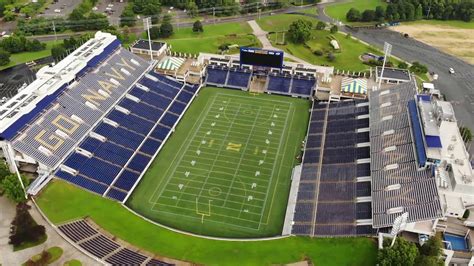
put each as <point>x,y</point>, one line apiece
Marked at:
<point>455,41</point>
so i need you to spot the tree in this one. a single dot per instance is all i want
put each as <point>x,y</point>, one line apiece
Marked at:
<point>127,18</point>
<point>418,68</point>
<point>12,188</point>
<point>24,227</point>
<point>379,13</point>
<point>466,134</point>
<point>402,253</point>
<point>334,29</point>
<point>154,33</point>
<point>4,57</point>
<point>403,65</point>
<point>419,12</point>
<point>320,25</point>
<point>368,15</point>
<point>353,15</point>
<point>166,29</point>
<point>432,247</point>
<point>34,45</point>
<point>192,9</point>
<point>197,26</point>
<point>300,31</point>
<point>431,252</point>
<point>58,51</point>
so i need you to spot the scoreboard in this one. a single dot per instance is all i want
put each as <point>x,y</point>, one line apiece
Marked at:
<point>260,57</point>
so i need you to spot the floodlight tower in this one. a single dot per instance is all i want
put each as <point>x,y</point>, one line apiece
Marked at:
<point>399,225</point>
<point>387,50</point>
<point>147,26</point>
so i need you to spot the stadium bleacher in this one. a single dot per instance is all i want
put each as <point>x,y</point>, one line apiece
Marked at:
<point>326,200</point>
<point>66,120</point>
<point>129,137</point>
<point>90,239</point>
<point>278,83</point>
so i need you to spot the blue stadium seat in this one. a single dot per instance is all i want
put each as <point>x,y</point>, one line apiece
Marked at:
<point>279,84</point>
<point>125,138</point>
<point>146,111</point>
<point>90,144</point>
<point>139,162</point>
<point>75,161</point>
<point>116,115</point>
<point>113,153</point>
<point>116,194</point>
<point>99,170</point>
<point>238,79</point>
<point>216,76</point>
<point>302,86</point>
<point>136,124</point>
<point>156,100</point>
<point>127,103</point>
<point>82,182</point>
<point>137,92</point>
<point>150,146</point>
<point>191,88</point>
<point>177,108</point>
<point>160,132</point>
<point>126,180</point>
<point>104,128</point>
<point>169,119</point>
<point>184,96</point>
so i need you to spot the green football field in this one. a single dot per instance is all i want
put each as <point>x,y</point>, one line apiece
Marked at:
<point>226,169</point>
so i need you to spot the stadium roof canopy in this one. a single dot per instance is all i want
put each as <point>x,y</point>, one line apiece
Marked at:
<point>143,45</point>
<point>51,81</point>
<point>357,86</point>
<point>399,184</point>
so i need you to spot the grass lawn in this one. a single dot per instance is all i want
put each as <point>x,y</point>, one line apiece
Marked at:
<point>346,59</point>
<point>231,175</point>
<point>281,22</point>
<point>187,41</point>
<point>448,23</point>
<point>62,202</point>
<point>72,263</point>
<point>54,254</point>
<point>24,57</point>
<point>339,11</point>
<point>311,10</point>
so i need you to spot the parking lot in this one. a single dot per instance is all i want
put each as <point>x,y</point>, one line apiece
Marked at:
<point>64,7</point>
<point>112,9</point>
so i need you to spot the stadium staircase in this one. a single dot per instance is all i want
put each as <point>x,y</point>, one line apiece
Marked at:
<point>258,84</point>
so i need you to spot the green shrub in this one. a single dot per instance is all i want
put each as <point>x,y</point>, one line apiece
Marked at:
<point>318,53</point>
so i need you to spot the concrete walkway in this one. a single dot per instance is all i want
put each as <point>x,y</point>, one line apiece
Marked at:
<point>262,37</point>
<point>8,257</point>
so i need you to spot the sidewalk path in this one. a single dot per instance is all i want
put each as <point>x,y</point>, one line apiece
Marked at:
<point>8,257</point>
<point>262,37</point>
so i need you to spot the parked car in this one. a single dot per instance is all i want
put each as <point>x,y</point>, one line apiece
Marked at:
<point>451,70</point>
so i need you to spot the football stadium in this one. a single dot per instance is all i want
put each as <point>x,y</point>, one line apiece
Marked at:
<point>229,148</point>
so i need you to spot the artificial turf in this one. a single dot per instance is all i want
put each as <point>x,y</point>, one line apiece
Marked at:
<point>226,169</point>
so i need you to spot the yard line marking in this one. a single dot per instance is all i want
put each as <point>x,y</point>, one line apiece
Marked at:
<point>217,156</point>
<point>243,153</point>
<point>195,127</point>
<point>271,175</point>
<point>212,221</point>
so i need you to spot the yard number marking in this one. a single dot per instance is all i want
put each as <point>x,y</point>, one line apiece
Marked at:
<point>234,147</point>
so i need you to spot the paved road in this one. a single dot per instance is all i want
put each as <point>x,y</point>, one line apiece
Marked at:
<point>458,88</point>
